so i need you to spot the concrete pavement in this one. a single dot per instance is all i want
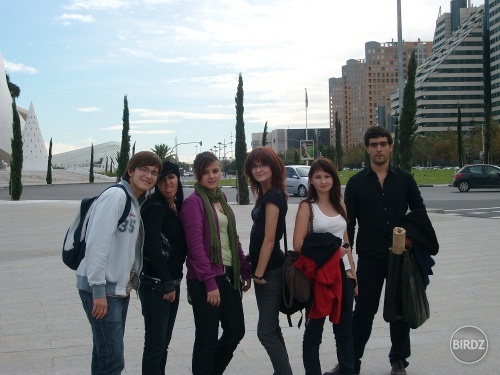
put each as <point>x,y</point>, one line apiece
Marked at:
<point>43,329</point>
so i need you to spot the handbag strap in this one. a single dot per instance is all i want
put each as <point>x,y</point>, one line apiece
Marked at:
<point>285,242</point>
<point>310,228</point>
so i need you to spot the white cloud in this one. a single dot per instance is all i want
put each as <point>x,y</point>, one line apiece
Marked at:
<point>19,68</point>
<point>163,131</point>
<point>178,115</point>
<point>88,109</point>
<point>113,127</point>
<point>77,17</point>
<point>60,147</point>
<point>99,4</point>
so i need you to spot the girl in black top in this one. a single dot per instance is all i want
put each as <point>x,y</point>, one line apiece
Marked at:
<point>266,173</point>
<point>164,256</point>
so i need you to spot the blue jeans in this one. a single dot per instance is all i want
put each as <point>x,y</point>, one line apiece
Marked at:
<point>212,354</point>
<point>342,331</point>
<point>159,319</point>
<point>371,273</point>
<point>269,297</point>
<point>107,334</point>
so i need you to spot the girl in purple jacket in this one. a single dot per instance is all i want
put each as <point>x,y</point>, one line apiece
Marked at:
<point>217,270</point>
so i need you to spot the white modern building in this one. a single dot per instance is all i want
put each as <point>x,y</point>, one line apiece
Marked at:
<point>81,158</point>
<point>5,115</point>
<point>35,156</point>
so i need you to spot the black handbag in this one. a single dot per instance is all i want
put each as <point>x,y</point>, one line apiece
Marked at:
<point>296,286</point>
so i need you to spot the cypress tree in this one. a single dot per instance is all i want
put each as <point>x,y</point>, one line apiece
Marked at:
<point>49,165</point>
<point>16,165</point>
<point>264,135</point>
<point>133,149</point>
<point>91,169</point>
<point>241,147</point>
<point>408,125</point>
<point>125,146</point>
<point>459,138</point>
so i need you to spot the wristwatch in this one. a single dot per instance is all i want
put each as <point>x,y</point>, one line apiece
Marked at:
<point>346,245</point>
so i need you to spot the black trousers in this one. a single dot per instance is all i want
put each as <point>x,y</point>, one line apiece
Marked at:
<point>371,274</point>
<point>212,354</point>
<point>159,319</point>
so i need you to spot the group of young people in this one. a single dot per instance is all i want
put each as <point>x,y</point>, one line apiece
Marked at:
<point>163,231</point>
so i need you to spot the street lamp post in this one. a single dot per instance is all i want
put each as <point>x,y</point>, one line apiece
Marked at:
<point>184,143</point>
<point>224,147</point>
<point>224,163</point>
<point>216,149</point>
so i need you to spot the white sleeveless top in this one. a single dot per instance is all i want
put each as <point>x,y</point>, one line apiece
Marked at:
<point>335,225</point>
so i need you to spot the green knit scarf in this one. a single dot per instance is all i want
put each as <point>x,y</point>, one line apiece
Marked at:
<point>215,247</point>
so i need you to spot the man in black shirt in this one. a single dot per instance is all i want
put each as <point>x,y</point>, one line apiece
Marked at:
<point>377,198</point>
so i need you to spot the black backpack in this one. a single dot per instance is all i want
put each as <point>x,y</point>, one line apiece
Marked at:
<point>74,244</point>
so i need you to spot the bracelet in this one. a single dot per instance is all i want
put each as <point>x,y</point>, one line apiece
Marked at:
<point>258,278</point>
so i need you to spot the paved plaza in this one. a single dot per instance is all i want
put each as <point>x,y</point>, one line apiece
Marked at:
<point>43,329</point>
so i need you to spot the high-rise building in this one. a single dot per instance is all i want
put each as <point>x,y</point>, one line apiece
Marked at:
<point>494,49</point>
<point>361,97</point>
<point>454,75</point>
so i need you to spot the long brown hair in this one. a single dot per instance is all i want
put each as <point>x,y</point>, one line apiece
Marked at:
<point>265,156</point>
<point>327,166</point>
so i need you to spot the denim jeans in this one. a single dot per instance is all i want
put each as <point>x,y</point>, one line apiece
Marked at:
<point>212,354</point>
<point>371,273</point>
<point>159,319</point>
<point>269,297</point>
<point>342,332</point>
<point>107,333</point>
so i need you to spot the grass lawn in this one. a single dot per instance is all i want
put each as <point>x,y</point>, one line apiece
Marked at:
<point>422,176</point>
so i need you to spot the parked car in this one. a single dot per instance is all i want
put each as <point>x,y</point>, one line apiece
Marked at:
<point>297,181</point>
<point>477,176</point>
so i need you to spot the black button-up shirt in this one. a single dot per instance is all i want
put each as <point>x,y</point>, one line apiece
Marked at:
<point>377,210</point>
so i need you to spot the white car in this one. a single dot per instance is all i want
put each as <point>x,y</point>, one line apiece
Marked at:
<point>297,180</point>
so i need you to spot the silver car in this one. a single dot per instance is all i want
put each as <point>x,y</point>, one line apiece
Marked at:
<point>297,180</point>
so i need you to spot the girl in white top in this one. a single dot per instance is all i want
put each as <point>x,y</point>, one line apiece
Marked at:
<point>329,215</point>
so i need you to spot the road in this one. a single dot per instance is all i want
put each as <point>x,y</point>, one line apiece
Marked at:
<point>445,198</point>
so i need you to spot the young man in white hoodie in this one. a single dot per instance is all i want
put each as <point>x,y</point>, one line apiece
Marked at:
<point>113,262</point>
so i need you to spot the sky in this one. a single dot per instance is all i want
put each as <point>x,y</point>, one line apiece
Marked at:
<point>178,62</point>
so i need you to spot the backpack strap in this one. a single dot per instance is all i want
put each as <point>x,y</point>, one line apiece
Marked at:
<point>128,204</point>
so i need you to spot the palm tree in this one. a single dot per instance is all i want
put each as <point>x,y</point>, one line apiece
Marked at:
<point>164,152</point>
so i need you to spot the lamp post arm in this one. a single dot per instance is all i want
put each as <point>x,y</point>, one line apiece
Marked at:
<point>186,143</point>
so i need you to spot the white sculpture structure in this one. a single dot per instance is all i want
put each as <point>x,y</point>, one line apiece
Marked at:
<point>35,157</point>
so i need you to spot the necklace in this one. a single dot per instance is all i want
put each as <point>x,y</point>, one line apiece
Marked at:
<point>219,208</point>
<point>173,207</point>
